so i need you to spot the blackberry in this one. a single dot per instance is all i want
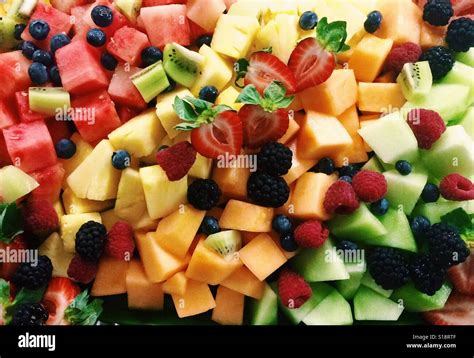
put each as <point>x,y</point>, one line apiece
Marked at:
<point>438,12</point>
<point>267,190</point>
<point>34,277</point>
<point>204,194</point>
<point>30,314</point>
<point>427,276</point>
<point>274,158</point>
<point>90,240</point>
<point>460,35</point>
<point>440,59</point>
<point>389,267</point>
<point>446,246</point>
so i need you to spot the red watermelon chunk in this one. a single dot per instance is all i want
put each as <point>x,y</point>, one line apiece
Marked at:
<point>77,17</point>
<point>66,6</point>
<point>95,115</point>
<point>23,108</point>
<point>59,129</point>
<point>7,114</point>
<point>165,24</point>
<point>196,30</point>
<point>127,45</point>
<point>13,73</point>
<point>147,3</point>
<point>80,68</point>
<point>126,113</point>
<point>122,90</point>
<point>119,20</point>
<point>50,180</point>
<point>4,156</point>
<point>212,8</point>
<point>30,146</point>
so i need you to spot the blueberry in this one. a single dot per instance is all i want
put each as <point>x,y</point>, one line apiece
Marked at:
<point>430,193</point>
<point>325,165</point>
<point>151,55</point>
<point>121,159</point>
<point>65,149</point>
<point>39,29</point>
<point>58,41</point>
<point>209,225</point>
<point>38,73</point>
<point>96,37</point>
<point>208,93</point>
<point>204,40</point>
<point>348,170</point>
<point>43,57</point>
<point>380,207</point>
<point>282,224</point>
<point>403,167</point>
<point>28,49</point>
<point>108,61</point>
<point>19,28</point>
<point>288,243</point>
<point>373,21</point>
<point>55,76</point>
<point>102,16</point>
<point>172,85</point>
<point>346,178</point>
<point>308,20</point>
<point>419,225</point>
<point>346,245</point>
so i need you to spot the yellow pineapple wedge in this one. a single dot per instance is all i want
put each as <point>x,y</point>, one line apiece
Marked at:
<point>75,205</point>
<point>83,149</point>
<point>165,112</point>
<point>130,204</point>
<point>53,247</point>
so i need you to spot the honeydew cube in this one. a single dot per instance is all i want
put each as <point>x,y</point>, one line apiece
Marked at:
<point>69,225</point>
<point>165,112</point>
<point>229,308</point>
<point>228,98</point>
<point>244,281</point>
<point>14,184</point>
<point>374,165</point>
<point>142,294</point>
<point>53,247</point>
<point>241,29</point>
<point>466,57</point>
<point>239,215</point>
<point>162,195</point>
<point>145,223</point>
<point>404,191</point>
<point>176,284</point>
<point>391,138</point>
<point>464,75</point>
<point>380,97</point>
<point>197,299</point>
<point>364,124</point>
<point>468,122</point>
<point>75,205</point>
<point>232,181</point>
<point>83,149</point>
<point>434,211</point>
<point>299,165</point>
<point>110,278</point>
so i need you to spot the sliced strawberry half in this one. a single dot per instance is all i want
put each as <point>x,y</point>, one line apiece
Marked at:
<point>264,68</point>
<point>60,293</point>
<point>458,311</point>
<point>462,276</point>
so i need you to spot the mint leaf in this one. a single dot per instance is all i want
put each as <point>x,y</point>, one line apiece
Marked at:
<point>11,223</point>
<point>184,110</point>
<point>285,102</point>
<point>222,108</point>
<point>199,104</point>
<point>332,36</point>
<point>462,221</point>
<point>249,95</point>
<point>4,293</point>
<point>82,312</point>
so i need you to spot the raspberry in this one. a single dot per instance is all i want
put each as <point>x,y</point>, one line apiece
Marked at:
<point>177,160</point>
<point>39,217</point>
<point>369,186</point>
<point>427,126</point>
<point>341,198</point>
<point>456,187</point>
<point>311,234</point>
<point>81,270</point>
<point>293,289</point>
<point>120,244</point>
<point>401,54</point>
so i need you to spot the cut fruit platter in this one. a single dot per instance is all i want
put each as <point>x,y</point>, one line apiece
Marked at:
<point>237,162</point>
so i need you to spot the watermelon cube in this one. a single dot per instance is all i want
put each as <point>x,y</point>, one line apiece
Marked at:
<point>205,13</point>
<point>7,114</point>
<point>30,146</point>
<point>66,6</point>
<point>126,113</point>
<point>79,25</point>
<point>118,21</point>
<point>80,68</point>
<point>4,156</point>
<point>95,115</point>
<point>165,24</point>
<point>122,90</point>
<point>50,180</point>
<point>23,108</point>
<point>147,3</point>
<point>196,30</point>
<point>13,73</point>
<point>59,129</point>
<point>127,45</point>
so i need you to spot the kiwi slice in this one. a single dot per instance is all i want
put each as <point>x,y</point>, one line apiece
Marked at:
<point>181,64</point>
<point>21,10</point>
<point>416,80</point>
<point>151,81</point>
<point>48,100</point>
<point>225,243</point>
<point>7,33</point>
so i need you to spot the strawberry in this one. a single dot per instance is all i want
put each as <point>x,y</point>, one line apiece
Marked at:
<point>264,68</point>
<point>60,293</point>
<point>462,276</point>
<point>9,268</point>
<point>458,311</point>
<point>313,61</point>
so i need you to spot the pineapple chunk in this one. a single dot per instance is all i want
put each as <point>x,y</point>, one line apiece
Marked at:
<point>165,112</point>
<point>139,136</point>
<point>130,204</point>
<point>69,225</point>
<point>341,10</point>
<point>53,247</point>
<point>228,97</point>
<point>75,205</point>
<point>201,168</point>
<point>83,149</point>
<point>250,8</point>
<point>278,7</point>
<point>95,178</point>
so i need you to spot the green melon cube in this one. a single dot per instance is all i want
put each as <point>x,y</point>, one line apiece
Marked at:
<point>416,301</point>
<point>434,211</point>
<point>368,281</point>
<point>403,191</point>
<point>373,164</point>
<point>466,57</point>
<point>333,310</point>
<point>372,306</point>
<point>264,311</point>
<point>348,288</point>
<point>468,122</point>
<point>461,74</point>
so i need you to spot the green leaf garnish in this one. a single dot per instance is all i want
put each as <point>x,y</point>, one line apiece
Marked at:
<point>11,223</point>
<point>274,97</point>
<point>184,110</point>
<point>462,221</point>
<point>332,36</point>
<point>82,312</point>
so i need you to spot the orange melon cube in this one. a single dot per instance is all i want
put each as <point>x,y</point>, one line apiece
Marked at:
<point>328,97</point>
<point>196,299</point>
<point>176,232</point>
<point>262,256</point>
<point>244,281</point>
<point>431,36</point>
<point>141,292</point>
<point>401,21</point>
<point>299,165</point>
<point>110,278</point>
<point>229,308</point>
<point>380,97</point>
<point>159,264</point>
<point>239,215</point>
<point>368,117</point>
<point>208,266</point>
<point>350,120</point>
<point>287,208</point>
<point>293,128</point>
<point>369,57</point>
<point>232,181</point>
<point>309,194</point>
<point>321,135</point>
<point>176,284</point>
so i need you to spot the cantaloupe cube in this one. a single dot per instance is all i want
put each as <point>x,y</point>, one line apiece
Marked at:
<point>244,281</point>
<point>75,205</point>
<point>321,135</point>
<point>288,207</point>
<point>231,181</point>
<point>176,284</point>
<point>176,232</point>
<point>145,223</point>
<point>165,112</point>
<point>158,263</point>
<point>431,36</point>
<point>208,266</point>
<point>142,294</point>
<point>69,225</point>
<point>328,97</point>
<point>239,215</point>
<point>248,236</point>
<point>229,308</point>
<point>380,97</point>
<point>111,277</point>
<point>299,165</point>
<point>387,77</point>
<point>216,212</point>
<point>83,149</point>
<point>309,194</point>
<point>197,299</point>
<point>201,168</point>
<point>262,256</point>
<point>401,21</point>
<point>369,56</point>
<point>228,98</point>
<point>293,128</point>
